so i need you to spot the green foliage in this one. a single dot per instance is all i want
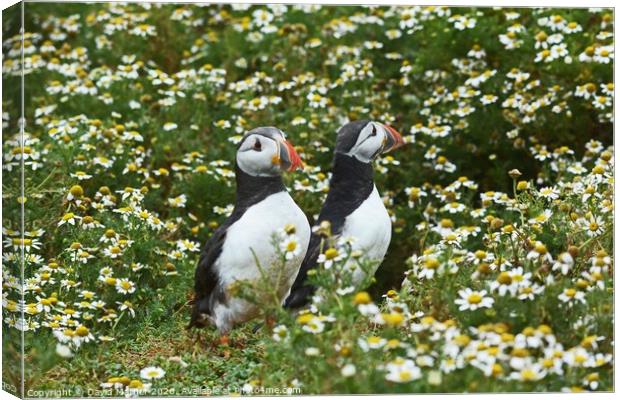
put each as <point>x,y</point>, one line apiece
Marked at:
<point>132,115</point>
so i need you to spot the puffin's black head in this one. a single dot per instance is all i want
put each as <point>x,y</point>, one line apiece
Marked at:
<point>265,151</point>
<point>365,140</point>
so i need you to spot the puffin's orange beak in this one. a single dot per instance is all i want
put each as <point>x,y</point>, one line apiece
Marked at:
<point>289,159</point>
<point>394,139</point>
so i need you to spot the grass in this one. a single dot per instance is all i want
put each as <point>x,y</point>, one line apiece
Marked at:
<point>128,158</point>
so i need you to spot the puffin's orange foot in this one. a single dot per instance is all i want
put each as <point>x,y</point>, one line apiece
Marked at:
<point>224,340</point>
<point>270,321</point>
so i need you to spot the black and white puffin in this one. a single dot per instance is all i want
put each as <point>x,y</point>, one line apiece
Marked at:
<point>353,205</point>
<point>262,207</point>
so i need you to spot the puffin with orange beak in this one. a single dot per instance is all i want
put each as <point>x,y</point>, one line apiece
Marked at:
<point>353,206</point>
<point>262,207</point>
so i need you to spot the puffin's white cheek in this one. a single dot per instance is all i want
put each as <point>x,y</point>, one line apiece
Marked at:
<point>249,161</point>
<point>369,148</point>
<point>257,162</point>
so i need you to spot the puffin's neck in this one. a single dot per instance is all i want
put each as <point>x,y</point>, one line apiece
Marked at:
<point>350,185</point>
<point>253,189</point>
<point>350,173</point>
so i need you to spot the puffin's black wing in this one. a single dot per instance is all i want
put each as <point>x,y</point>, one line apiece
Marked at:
<point>350,185</point>
<point>205,277</point>
<point>250,190</point>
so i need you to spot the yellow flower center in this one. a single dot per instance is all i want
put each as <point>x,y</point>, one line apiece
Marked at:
<point>82,331</point>
<point>474,298</point>
<point>393,318</point>
<point>136,384</point>
<point>451,237</point>
<point>68,216</point>
<point>528,375</point>
<point>540,248</point>
<point>331,253</point>
<point>446,223</point>
<point>431,263</point>
<point>504,278</point>
<point>362,298</point>
<point>404,375</point>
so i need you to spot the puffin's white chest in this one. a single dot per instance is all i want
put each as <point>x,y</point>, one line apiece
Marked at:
<point>251,238</point>
<point>371,227</point>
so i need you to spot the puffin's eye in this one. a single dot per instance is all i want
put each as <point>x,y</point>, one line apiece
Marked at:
<point>374,131</point>
<point>257,145</point>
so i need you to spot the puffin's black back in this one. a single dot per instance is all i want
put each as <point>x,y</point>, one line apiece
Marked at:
<point>351,184</point>
<point>250,190</point>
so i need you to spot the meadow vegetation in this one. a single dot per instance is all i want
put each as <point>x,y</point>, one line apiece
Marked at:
<point>499,276</point>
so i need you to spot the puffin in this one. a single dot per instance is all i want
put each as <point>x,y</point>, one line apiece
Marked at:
<point>353,206</point>
<point>262,207</point>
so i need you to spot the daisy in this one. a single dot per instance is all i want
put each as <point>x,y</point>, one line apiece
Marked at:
<point>280,333</point>
<point>314,326</point>
<point>402,371</point>
<point>564,263</point>
<point>348,370</point>
<point>539,251</point>
<point>592,226</point>
<point>571,295</point>
<point>473,300</point>
<point>290,247</point>
<point>312,351</point>
<point>488,99</point>
<point>372,342</point>
<point>504,284</point>
<point>603,54</point>
<point>168,126</point>
<point>113,251</point>
<point>528,292</point>
<point>428,268</point>
<point>178,202</point>
<point>68,218</point>
<point>125,286</point>
<point>150,373</point>
<point>329,257</point>
<point>549,193</point>
<point>533,372</point>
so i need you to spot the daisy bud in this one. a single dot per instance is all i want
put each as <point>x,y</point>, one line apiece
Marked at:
<point>522,185</point>
<point>362,298</point>
<point>289,229</point>
<point>514,173</point>
<point>497,223</point>
<point>606,155</point>
<point>484,268</point>
<point>573,251</point>
<point>82,331</point>
<point>76,191</point>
